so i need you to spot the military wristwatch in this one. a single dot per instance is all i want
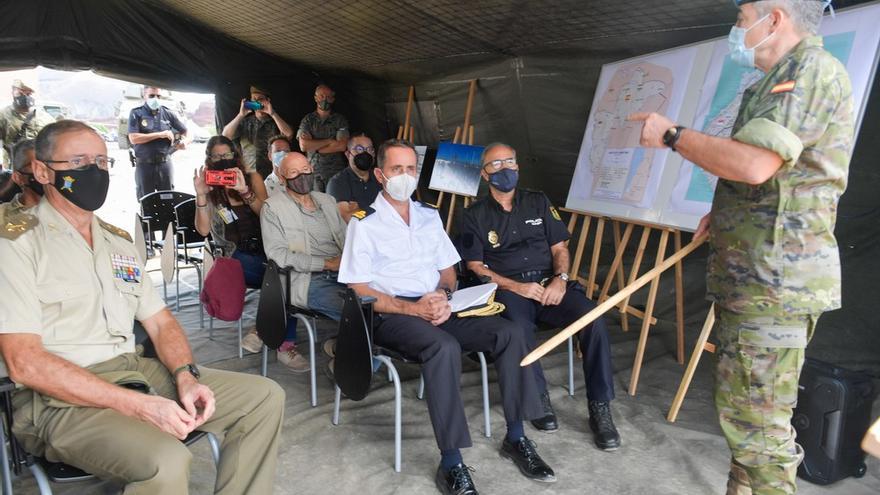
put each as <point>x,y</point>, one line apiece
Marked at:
<point>190,367</point>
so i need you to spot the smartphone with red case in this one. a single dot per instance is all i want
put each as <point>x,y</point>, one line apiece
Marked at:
<point>220,177</point>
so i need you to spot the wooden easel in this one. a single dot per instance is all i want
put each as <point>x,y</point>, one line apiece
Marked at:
<point>463,135</point>
<point>616,273</point>
<point>407,131</point>
<point>701,345</point>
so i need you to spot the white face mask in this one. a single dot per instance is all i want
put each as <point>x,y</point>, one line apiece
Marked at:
<point>400,187</point>
<point>153,103</point>
<point>736,41</point>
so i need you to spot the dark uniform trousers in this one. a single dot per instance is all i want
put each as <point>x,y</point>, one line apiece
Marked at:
<point>439,349</point>
<point>153,174</point>
<point>526,313</point>
<point>117,447</point>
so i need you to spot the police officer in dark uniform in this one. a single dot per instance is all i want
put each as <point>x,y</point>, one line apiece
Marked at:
<point>151,130</point>
<point>517,238</point>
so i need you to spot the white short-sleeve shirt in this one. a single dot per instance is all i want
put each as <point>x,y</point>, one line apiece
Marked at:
<point>395,258</point>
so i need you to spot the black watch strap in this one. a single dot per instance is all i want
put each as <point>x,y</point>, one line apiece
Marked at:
<point>672,135</point>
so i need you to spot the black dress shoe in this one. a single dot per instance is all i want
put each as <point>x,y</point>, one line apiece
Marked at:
<point>526,458</point>
<point>547,423</point>
<point>456,481</point>
<point>606,436</point>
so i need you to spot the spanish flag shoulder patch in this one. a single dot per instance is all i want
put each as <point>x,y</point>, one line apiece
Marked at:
<point>783,87</point>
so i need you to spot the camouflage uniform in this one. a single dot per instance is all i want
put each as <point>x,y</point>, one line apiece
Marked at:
<point>11,122</point>
<point>326,165</point>
<point>774,266</point>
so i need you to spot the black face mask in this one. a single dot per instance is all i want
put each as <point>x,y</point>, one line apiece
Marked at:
<point>302,183</point>
<point>87,189</point>
<point>222,164</point>
<point>363,161</point>
<point>32,183</point>
<point>23,101</point>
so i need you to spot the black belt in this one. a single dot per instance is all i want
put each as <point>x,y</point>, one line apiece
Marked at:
<point>532,276</point>
<point>156,160</point>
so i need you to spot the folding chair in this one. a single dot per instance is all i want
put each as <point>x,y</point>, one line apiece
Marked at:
<point>272,313</point>
<point>353,370</point>
<point>157,211</point>
<point>188,245</point>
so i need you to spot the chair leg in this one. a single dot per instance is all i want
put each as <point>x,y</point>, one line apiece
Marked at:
<point>313,376</point>
<point>336,402</point>
<point>265,361</point>
<point>397,410</point>
<point>421,392</point>
<point>211,328</point>
<point>484,371</point>
<point>571,366</point>
<point>215,448</point>
<point>240,351</point>
<point>4,459</point>
<point>41,479</point>
<point>176,285</point>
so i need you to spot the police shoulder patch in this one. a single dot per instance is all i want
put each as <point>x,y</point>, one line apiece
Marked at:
<point>364,213</point>
<point>15,221</point>
<point>114,230</point>
<point>555,213</point>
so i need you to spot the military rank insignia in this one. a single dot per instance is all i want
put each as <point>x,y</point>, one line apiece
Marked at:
<point>493,239</point>
<point>125,268</point>
<point>555,213</point>
<point>145,123</point>
<point>360,214</point>
<point>784,87</point>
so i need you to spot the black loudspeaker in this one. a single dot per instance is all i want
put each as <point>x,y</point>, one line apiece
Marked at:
<point>832,416</point>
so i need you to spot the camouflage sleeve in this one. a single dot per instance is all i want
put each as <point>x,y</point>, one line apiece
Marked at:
<point>795,112</point>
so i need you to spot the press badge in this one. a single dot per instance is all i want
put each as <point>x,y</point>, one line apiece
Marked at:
<point>228,216</point>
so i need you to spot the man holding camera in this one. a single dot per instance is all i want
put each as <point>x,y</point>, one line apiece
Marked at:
<point>255,123</point>
<point>151,131</point>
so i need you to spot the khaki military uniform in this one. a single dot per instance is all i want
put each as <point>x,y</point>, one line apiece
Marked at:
<point>774,265</point>
<point>82,301</point>
<point>11,122</point>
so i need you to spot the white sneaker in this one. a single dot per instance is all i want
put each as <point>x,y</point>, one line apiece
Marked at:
<point>251,342</point>
<point>294,361</point>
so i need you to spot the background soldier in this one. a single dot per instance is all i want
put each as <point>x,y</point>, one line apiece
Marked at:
<point>773,265</point>
<point>151,129</point>
<point>323,135</point>
<point>21,120</point>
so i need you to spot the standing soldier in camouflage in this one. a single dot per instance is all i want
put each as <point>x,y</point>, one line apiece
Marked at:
<point>323,136</point>
<point>21,120</point>
<point>773,266</point>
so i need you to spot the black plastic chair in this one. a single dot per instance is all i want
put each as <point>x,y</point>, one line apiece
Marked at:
<point>15,459</point>
<point>157,211</point>
<point>188,245</point>
<point>353,369</point>
<point>272,313</point>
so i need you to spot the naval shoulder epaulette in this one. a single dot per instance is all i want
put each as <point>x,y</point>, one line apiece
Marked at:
<point>427,205</point>
<point>363,213</point>
<point>115,230</point>
<point>15,221</point>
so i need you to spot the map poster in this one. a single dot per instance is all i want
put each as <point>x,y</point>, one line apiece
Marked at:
<point>613,173</point>
<point>457,169</point>
<point>851,36</point>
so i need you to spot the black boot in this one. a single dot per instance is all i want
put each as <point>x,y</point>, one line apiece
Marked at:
<point>606,436</point>
<point>547,423</point>
<point>526,458</point>
<point>456,481</point>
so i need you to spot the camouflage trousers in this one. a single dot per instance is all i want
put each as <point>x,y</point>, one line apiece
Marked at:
<point>756,388</point>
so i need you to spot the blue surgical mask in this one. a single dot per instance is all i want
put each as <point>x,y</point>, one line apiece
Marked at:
<point>277,157</point>
<point>736,40</point>
<point>504,180</point>
<point>153,103</point>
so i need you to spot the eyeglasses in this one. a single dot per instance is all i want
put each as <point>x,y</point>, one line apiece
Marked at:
<point>82,162</point>
<point>360,149</point>
<point>229,155</point>
<point>498,164</point>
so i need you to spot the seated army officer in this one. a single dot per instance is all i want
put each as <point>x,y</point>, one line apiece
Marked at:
<point>397,251</point>
<point>515,237</point>
<point>66,339</point>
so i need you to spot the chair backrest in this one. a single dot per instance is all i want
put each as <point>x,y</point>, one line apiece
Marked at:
<point>185,222</point>
<point>353,368</point>
<point>157,209</point>
<point>272,310</point>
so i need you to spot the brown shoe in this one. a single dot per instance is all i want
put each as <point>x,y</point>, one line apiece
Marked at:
<point>294,361</point>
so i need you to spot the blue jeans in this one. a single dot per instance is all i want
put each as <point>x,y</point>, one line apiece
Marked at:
<point>254,266</point>
<point>323,298</point>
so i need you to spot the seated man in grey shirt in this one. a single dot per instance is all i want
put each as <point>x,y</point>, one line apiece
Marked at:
<point>302,230</point>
